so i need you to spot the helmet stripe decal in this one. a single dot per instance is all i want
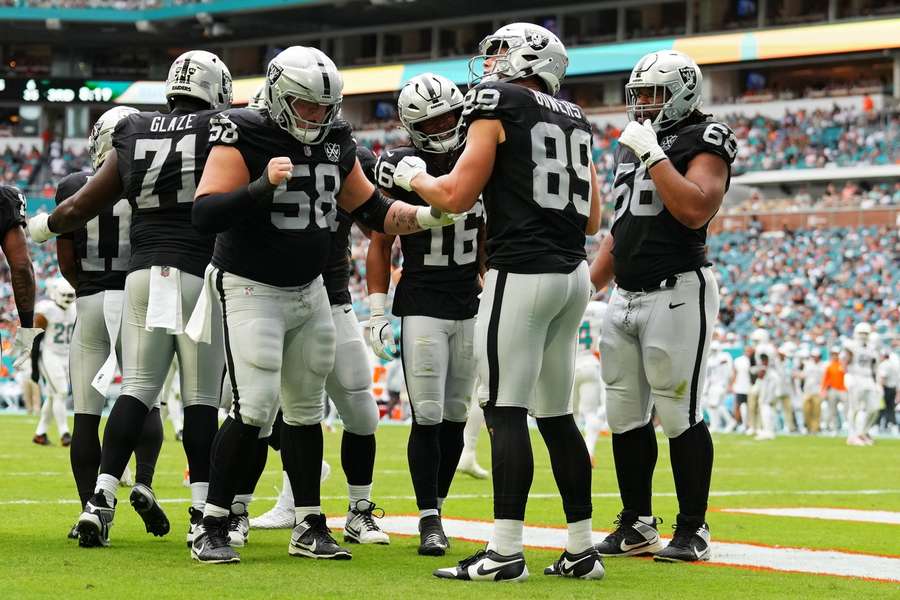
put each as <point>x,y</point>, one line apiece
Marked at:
<point>185,75</point>
<point>428,88</point>
<point>326,83</point>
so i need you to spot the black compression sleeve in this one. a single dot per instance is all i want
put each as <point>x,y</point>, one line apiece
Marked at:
<point>214,213</point>
<point>373,211</point>
<point>36,357</point>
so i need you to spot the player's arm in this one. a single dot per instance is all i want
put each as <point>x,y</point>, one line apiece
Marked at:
<point>21,272</point>
<point>225,194</point>
<point>65,256</point>
<point>367,205</point>
<point>593,224</point>
<point>102,190</point>
<point>378,263</point>
<point>695,197</point>
<point>457,191</point>
<point>602,267</point>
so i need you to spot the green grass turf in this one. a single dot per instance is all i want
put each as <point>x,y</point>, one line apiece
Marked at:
<point>37,561</point>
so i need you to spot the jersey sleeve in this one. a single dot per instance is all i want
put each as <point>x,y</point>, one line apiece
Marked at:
<point>12,208</point>
<point>342,135</point>
<point>492,100</point>
<point>67,187</point>
<point>712,137</point>
<point>384,174</point>
<point>240,129</point>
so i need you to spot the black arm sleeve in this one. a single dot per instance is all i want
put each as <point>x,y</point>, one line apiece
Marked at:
<point>214,213</point>
<point>373,211</point>
<point>36,357</point>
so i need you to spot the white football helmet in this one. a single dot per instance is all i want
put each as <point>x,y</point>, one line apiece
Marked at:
<point>100,140</point>
<point>521,50</point>
<point>258,101</point>
<point>862,332</point>
<point>676,81</point>
<point>301,73</point>
<point>424,97</point>
<point>61,291</point>
<point>200,74</point>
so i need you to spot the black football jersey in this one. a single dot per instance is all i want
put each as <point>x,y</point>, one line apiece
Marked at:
<point>649,244</point>
<point>288,242</point>
<point>440,266</point>
<point>161,158</point>
<point>102,247</point>
<point>538,198</point>
<point>12,208</point>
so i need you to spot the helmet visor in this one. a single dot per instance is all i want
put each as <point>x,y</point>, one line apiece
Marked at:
<point>644,101</point>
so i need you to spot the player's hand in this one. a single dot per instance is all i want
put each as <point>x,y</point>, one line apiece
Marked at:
<point>407,170</point>
<point>432,218</point>
<point>39,228</point>
<point>22,344</point>
<point>641,139</point>
<point>279,170</point>
<point>381,332</point>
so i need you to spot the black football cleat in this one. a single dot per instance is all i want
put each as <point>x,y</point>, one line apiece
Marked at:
<point>584,565</point>
<point>432,539</point>
<point>487,565</point>
<point>690,543</point>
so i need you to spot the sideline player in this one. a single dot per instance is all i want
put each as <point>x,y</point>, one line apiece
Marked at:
<point>50,357</point>
<point>157,162</point>
<point>530,155</point>
<point>436,298</point>
<point>589,393</point>
<point>672,171</point>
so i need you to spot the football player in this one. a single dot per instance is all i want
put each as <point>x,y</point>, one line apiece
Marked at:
<point>157,162</point>
<point>436,298</point>
<point>529,154</point>
<point>863,395</point>
<point>50,357</point>
<point>672,171</point>
<point>719,372</point>
<point>270,190</point>
<point>94,260</point>
<point>14,245</point>
<point>588,393</point>
<point>468,460</point>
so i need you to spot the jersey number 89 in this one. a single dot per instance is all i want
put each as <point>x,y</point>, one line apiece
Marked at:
<point>556,156</point>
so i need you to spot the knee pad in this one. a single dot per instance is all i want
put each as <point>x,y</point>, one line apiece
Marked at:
<point>318,349</point>
<point>359,413</point>
<point>353,371</point>
<point>456,409</point>
<point>658,367</point>
<point>428,411</point>
<point>613,370</point>
<point>266,350</point>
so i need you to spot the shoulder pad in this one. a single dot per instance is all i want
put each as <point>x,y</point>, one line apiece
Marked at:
<point>70,184</point>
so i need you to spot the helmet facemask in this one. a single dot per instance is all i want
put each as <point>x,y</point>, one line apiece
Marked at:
<point>305,130</point>
<point>440,142</point>
<point>501,51</point>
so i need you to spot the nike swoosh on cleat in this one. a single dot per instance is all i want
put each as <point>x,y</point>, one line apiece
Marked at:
<point>567,568</point>
<point>482,571</point>
<point>629,547</point>
<point>675,305</point>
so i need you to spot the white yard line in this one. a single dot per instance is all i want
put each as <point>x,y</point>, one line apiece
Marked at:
<point>830,514</point>
<point>798,560</point>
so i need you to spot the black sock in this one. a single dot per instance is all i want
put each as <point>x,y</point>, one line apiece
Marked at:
<point>571,465</point>
<point>253,467</point>
<point>275,438</point>
<point>423,452</point>
<point>452,442</point>
<point>301,454</point>
<point>635,453</point>
<point>692,459</point>
<point>232,444</point>
<point>200,424</point>
<point>147,450</point>
<point>121,435</point>
<point>85,454</point>
<point>511,459</point>
<point>358,457</point>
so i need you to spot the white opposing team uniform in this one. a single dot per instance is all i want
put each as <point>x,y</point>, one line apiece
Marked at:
<point>588,392</point>
<point>54,363</point>
<point>719,370</point>
<point>863,396</point>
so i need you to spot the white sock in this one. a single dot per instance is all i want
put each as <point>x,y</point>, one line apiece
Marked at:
<point>507,538</point>
<point>44,422</point>
<point>211,510</point>
<point>198,494</point>
<point>59,414</point>
<point>579,538</point>
<point>301,512</point>
<point>241,503</point>
<point>650,520</point>
<point>473,427</point>
<point>358,492</point>
<point>286,497</point>
<point>107,485</point>
<point>428,512</point>
<point>440,502</point>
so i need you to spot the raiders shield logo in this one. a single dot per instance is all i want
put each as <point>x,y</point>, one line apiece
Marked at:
<point>688,76</point>
<point>537,40</point>
<point>332,151</point>
<point>274,73</point>
<point>667,142</point>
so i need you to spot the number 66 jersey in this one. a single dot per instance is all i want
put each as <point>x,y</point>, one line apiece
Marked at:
<point>649,244</point>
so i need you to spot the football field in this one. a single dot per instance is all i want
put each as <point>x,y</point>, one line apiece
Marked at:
<point>792,518</point>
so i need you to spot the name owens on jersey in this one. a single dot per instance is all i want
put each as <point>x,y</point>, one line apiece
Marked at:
<point>440,266</point>
<point>649,244</point>
<point>161,158</point>
<point>538,199</point>
<point>102,247</point>
<point>286,243</point>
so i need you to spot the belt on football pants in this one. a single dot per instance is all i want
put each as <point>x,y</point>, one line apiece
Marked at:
<point>666,284</point>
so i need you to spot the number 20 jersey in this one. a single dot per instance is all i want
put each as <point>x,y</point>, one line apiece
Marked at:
<point>649,244</point>
<point>537,201</point>
<point>161,158</point>
<point>102,247</point>
<point>286,243</point>
<point>440,266</point>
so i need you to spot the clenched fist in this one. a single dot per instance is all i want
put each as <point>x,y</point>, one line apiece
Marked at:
<point>279,170</point>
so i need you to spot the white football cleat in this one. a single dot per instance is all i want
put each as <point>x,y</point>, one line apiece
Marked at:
<point>127,479</point>
<point>468,464</point>
<point>238,529</point>
<point>361,527</point>
<point>278,517</point>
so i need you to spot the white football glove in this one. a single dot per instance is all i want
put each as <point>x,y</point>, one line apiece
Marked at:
<point>432,218</point>
<point>406,171</point>
<point>381,333</point>
<point>39,228</point>
<point>641,139</point>
<point>22,344</point>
